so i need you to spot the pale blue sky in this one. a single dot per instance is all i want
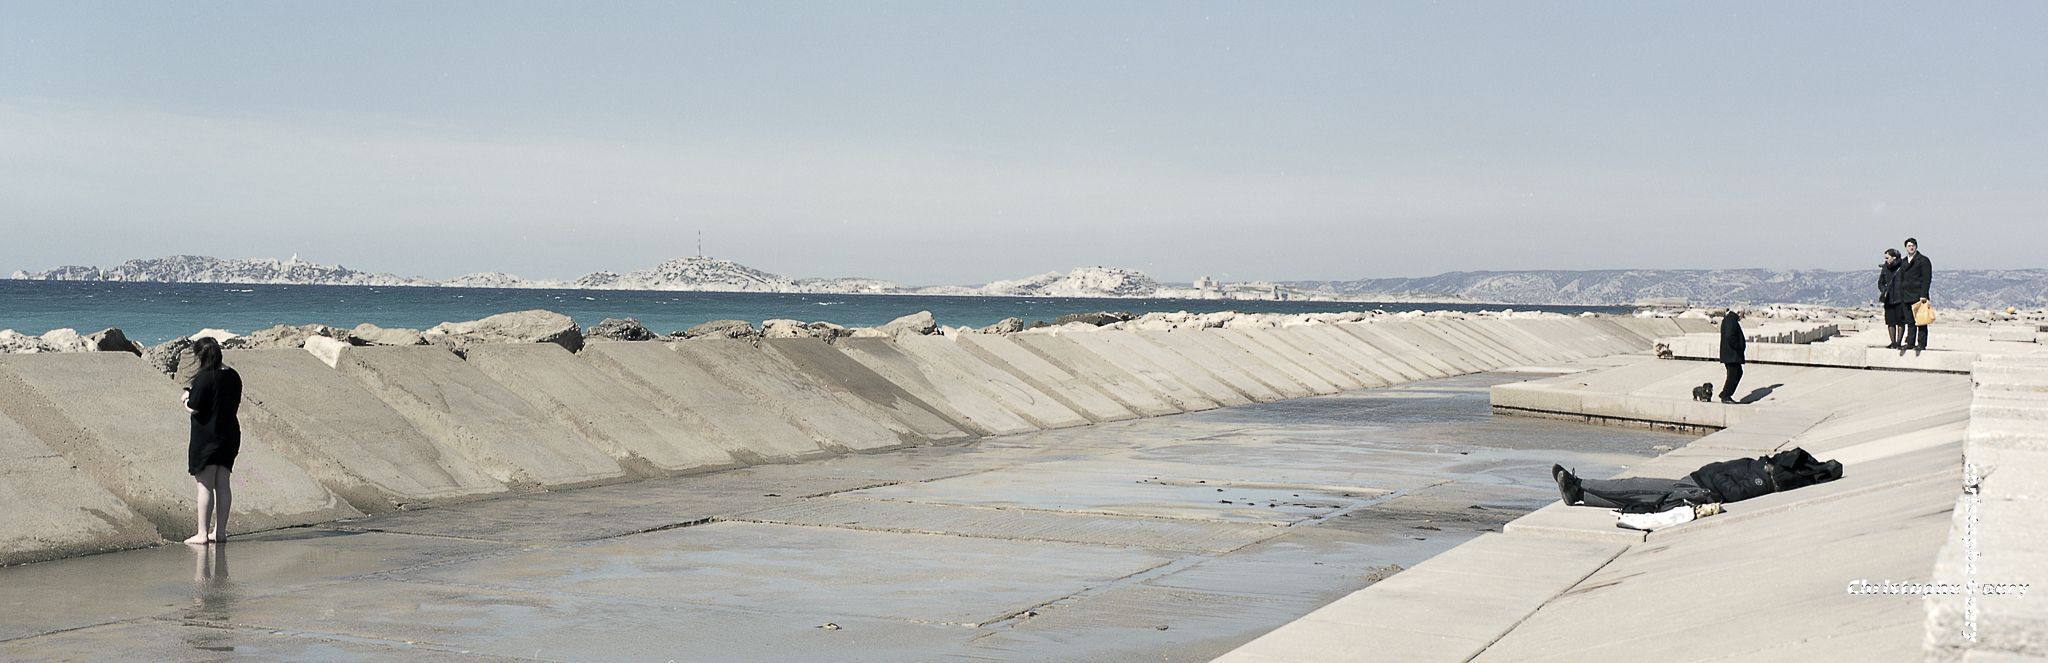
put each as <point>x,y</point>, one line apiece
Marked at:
<point>963,142</point>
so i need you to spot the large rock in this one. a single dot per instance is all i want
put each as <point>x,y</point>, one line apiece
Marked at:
<point>65,340</point>
<point>167,356</point>
<point>920,323</point>
<point>1098,318</point>
<point>723,329</point>
<point>793,329</point>
<point>1005,326</point>
<point>327,350</point>
<point>535,326</point>
<point>614,329</point>
<point>369,334</point>
<point>13,342</point>
<point>287,336</point>
<point>112,340</point>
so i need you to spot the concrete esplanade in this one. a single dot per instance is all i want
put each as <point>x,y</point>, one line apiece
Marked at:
<point>652,436</point>
<point>97,439</point>
<point>1925,550</point>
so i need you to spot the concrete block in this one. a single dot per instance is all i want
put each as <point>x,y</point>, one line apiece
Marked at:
<point>834,369</point>
<point>1243,360</point>
<point>1371,364</point>
<point>1037,407</point>
<point>937,385</point>
<point>1181,368</point>
<point>836,425</point>
<point>1075,393</point>
<point>742,427</point>
<point>1413,333</point>
<point>1373,334</point>
<point>1139,394</point>
<point>461,408</point>
<point>1941,361</point>
<point>616,417</point>
<point>1176,390</point>
<point>1225,365</point>
<point>53,509</point>
<point>119,422</point>
<point>1265,354</point>
<point>346,438</point>
<point>1323,366</point>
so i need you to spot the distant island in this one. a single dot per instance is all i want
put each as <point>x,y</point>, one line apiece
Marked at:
<point>2027,288</point>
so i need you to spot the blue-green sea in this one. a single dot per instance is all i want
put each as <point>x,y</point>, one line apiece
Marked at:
<point>155,312</point>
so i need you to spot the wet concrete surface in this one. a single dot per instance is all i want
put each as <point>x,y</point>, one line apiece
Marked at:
<point>1175,538</point>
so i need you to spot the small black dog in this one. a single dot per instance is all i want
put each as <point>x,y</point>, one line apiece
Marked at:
<point>1703,393</point>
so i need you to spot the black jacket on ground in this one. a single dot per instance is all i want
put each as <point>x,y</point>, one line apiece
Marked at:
<point>1733,342</point>
<point>1744,478</point>
<point>216,433</point>
<point>1914,280</point>
<point>1888,283</point>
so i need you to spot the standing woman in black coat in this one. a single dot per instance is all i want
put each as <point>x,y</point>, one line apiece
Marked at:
<point>213,399</point>
<point>1733,345</point>
<point>1897,314</point>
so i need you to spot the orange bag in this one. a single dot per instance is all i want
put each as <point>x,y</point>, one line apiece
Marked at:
<point>1923,313</point>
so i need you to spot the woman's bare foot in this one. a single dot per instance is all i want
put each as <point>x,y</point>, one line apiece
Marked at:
<point>197,539</point>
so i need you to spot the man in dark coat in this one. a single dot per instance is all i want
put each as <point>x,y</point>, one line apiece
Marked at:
<point>1733,343</point>
<point>1718,482</point>
<point>1915,279</point>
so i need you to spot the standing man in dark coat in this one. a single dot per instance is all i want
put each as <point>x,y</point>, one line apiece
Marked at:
<point>1915,279</point>
<point>1733,343</point>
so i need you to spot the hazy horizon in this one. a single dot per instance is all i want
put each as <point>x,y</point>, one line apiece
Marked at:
<point>931,143</point>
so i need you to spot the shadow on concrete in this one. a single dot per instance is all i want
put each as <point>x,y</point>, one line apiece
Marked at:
<point>1760,394</point>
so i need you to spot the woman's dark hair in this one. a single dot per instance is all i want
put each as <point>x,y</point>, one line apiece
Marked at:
<point>207,350</point>
<point>1892,252</point>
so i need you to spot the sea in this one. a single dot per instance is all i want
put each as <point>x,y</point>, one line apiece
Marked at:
<point>155,312</point>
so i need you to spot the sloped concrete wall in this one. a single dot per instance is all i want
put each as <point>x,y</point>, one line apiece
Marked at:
<point>739,425</point>
<point>616,417</point>
<point>834,370</point>
<point>54,510</point>
<point>121,423</point>
<point>461,408</point>
<point>346,438</point>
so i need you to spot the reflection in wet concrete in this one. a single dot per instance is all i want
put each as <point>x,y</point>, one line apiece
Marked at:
<point>213,600</point>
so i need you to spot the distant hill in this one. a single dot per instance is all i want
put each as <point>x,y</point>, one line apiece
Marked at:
<point>2027,288</point>
<point>1616,287</point>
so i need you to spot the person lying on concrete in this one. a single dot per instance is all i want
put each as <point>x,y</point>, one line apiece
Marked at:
<point>213,399</point>
<point>1733,343</point>
<point>1714,483</point>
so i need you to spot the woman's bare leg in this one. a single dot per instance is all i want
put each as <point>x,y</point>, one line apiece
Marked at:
<point>205,499</point>
<point>223,497</point>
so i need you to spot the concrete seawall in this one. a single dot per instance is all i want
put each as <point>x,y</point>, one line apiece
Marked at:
<point>97,439</point>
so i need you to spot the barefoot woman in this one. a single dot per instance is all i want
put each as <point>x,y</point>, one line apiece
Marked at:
<point>215,395</point>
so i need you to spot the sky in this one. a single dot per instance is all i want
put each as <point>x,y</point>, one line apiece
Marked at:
<point>964,142</point>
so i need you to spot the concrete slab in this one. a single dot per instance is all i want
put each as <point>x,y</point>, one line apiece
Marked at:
<point>1413,333</point>
<point>346,438</point>
<point>1341,355</point>
<point>1179,366</point>
<point>942,387</point>
<point>742,427</point>
<point>1041,409</point>
<point>607,412</point>
<point>1263,354</point>
<point>459,407</point>
<point>1077,394</point>
<point>1128,390</point>
<point>1305,358</point>
<point>1186,345</point>
<point>1090,488</point>
<point>1139,391</point>
<point>119,422</point>
<point>834,571</point>
<point>1181,390</point>
<point>988,523</point>
<point>1276,380</point>
<point>195,640</point>
<point>170,582</point>
<point>54,510</point>
<point>1366,353</point>
<point>834,370</point>
<point>835,424</point>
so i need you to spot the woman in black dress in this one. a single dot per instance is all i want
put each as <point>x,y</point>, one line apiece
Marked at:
<point>1897,315</point>
<point>213,398</point>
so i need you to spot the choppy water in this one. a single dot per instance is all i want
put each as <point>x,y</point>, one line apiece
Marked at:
<point>155,312</point>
